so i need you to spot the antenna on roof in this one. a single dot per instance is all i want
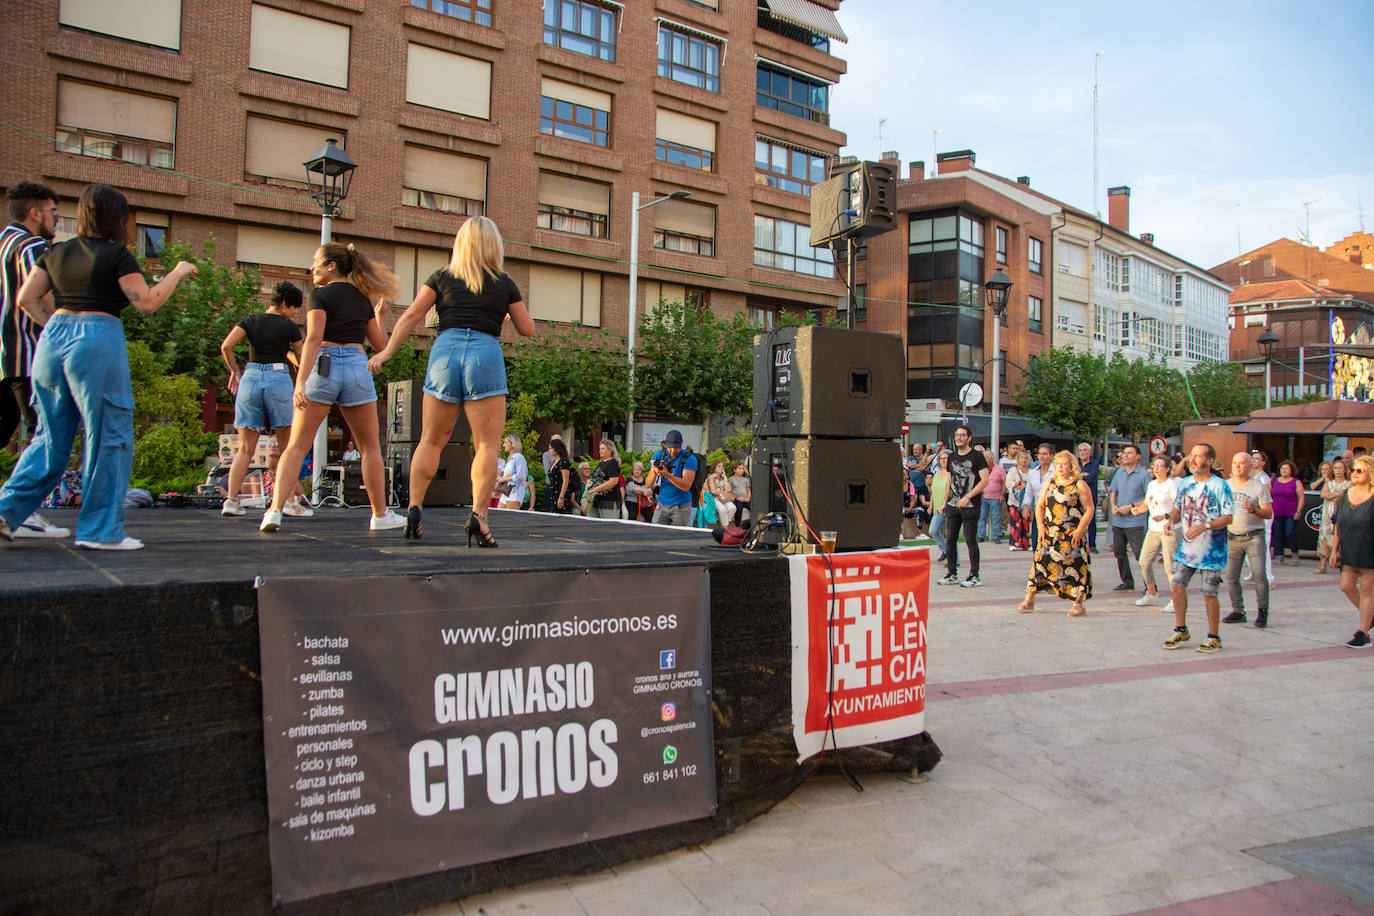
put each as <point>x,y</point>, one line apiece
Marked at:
<point>1096,57</point>
<point>1307,208</point>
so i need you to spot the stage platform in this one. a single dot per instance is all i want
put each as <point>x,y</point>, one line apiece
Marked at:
<point>199,546</point>
<point>132,702</point>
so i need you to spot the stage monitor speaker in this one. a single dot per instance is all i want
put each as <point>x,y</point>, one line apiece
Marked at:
<point>452,483</point>
<point>850,486</point>
<point>823,381</point>
<point>856,203</point>
<point>404,415</point>
<point>351,489</point>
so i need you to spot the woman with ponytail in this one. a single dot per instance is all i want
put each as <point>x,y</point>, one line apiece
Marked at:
<point>466,371</point>
<point>334,370</point>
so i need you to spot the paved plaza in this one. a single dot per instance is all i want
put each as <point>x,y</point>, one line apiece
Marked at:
<point>1086,771</point>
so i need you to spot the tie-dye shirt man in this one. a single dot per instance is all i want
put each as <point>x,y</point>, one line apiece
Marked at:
<point>1200,503</point>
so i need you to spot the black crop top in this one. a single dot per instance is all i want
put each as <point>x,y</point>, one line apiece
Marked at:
<point>269,336</point>
<point>85,274</point>
<point>346,312</point>
<point>459,307</point>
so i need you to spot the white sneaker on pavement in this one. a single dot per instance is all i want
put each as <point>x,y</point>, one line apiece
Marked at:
<point>1169,608</point>
<point>126,544</point>
<point>1145,600</point>
<point>296,509</point>
<point>387,522</point>
<point>271,521</point>
<point>231,507</point>
<point>36,526</point>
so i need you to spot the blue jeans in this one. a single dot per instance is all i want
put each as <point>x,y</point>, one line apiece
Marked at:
<point>80,377</point>
<point>465,365</point>
<point>990,520</point>
<point>937,526</point>
<point>1284,536</point>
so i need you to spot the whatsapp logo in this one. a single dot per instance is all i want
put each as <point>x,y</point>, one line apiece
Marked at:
<point>669,754</point>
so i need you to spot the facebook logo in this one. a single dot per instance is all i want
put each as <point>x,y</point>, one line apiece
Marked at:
<point>667,659</point>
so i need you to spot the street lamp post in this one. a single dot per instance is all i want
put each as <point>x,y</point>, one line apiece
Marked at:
<point>997,286</point>
<point>1266,342</point>
<point>635,207</point>
<point>329,175</point>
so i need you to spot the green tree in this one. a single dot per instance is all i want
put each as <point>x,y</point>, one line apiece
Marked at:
<point>1147,397</point>
<point>692,363</point>
<point>1221,390</point>
<point>186,332</point>
<point>1069,389</point>
<point>406,363</point>
<point>169,446</point>
<point>577,377</point>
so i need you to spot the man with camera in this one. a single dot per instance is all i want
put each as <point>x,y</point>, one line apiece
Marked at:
<point>675,468</point>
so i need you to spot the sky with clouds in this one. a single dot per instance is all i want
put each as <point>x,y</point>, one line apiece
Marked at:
<point>1203,106</point>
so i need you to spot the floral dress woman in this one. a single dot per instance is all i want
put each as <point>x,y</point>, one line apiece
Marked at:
<point>1060,565</point>
<point>1331,494</point>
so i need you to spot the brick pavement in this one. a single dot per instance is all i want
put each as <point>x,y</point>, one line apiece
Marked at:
<point>1086,771</point>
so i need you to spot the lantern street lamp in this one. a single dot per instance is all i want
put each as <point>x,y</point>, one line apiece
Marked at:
<point>635,207</point>
<point>997,287</point>
<point>328,175</point>
<point>1266,343</point>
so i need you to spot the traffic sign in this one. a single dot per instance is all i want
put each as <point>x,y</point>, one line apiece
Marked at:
<point>1158,445</point>
<point>906,427</point>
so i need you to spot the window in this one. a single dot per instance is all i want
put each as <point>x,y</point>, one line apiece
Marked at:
<point>685,140</point>
<point>447,182</point>
<point>1034,307</point>
<point>787,168</point>
<point>1034,256</point>
<point>791,93</point>
<point>783,244</point>
<point>575,113</point>
<point>572,205</point>
<point>274,151</point>
<point>860,305</point>
<point>413,267</point>
<point>1073,259</point>
<point>449,82</point>
<point>150,234</point>
<point>150,22</point>
<point>575,25</point>
<point>945,318</point>
<point>478,11</point>
<point>561,294</point>
<point>686,57</point>
<point>1001,245</point>
<point>1071,316</point>
<point>109,123</point>
<point>683,226</point>
<point>298,46</point>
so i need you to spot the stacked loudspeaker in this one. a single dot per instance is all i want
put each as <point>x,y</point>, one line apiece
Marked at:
<point>828,405</point>
<point>858,201</point>
<point>452,483</point>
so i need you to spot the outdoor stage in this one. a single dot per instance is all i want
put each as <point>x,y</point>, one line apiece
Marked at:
<point>133,729</point>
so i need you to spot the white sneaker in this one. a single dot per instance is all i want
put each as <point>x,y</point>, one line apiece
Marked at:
<point>1247,577</point>
<point>948,580</point>
<point>126,544</point>
<point>1145,600</point>
<point>231,507</point>
<point>271,520</point>
<point>296,509</point>
<point>1169,608</point>
<point>387,522</point>
<point>36,526</point>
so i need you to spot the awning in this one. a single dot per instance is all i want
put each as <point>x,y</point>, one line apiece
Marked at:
<point>1285,426</point>
<point>808,15</point>
<point>1351,426</point>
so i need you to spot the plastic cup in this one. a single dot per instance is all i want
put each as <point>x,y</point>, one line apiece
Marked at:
<point>828,541</point>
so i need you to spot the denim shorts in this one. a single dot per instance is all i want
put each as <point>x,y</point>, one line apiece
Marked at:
<point>1211,578</point>
<point>264,398</point>
<point>465,365</point>
<point>349,383</point>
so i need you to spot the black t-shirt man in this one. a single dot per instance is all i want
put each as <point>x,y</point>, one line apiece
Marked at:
<point>964,471</point>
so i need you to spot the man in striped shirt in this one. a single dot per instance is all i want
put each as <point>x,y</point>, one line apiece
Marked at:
<point>33,222</point>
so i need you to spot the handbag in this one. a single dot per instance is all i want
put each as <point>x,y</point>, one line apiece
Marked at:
<point>707,513</point>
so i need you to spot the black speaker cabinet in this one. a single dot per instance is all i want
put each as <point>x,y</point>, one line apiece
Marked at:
<point>850,486</point>
<point>820,381</point>
<point>404,415</point>
<point>868,190</point>
<point>351,488</point>
<point>452,483</point>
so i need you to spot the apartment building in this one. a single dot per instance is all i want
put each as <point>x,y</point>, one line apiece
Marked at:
<point>546,117</point>
<point>1077,281</point>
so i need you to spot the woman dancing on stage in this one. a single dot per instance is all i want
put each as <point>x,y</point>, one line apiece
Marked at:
<point>262,391</point>
<point>340,317</point>
<point>81,370</point>
<point>466,374</point>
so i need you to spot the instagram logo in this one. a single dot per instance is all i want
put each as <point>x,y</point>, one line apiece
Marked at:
<point>668,712</point>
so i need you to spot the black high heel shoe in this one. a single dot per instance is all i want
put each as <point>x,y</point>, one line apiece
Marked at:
<point>413,527</point>
<point>475,529</point>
